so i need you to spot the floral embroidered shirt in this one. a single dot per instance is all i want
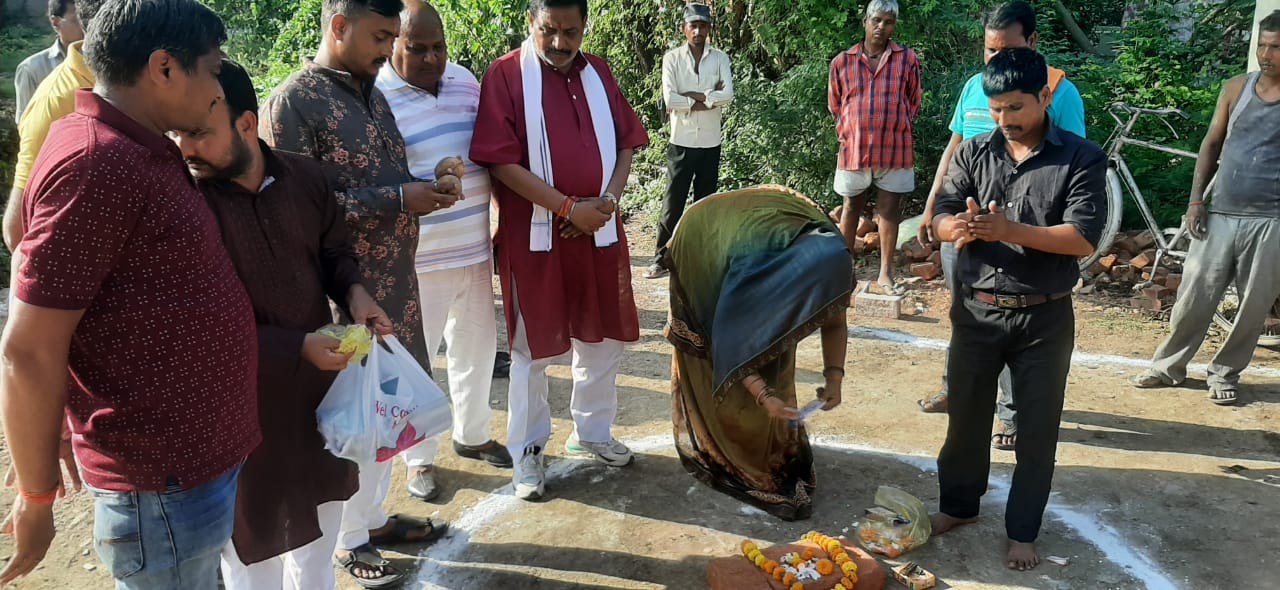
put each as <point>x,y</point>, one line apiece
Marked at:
<point>346,124</point>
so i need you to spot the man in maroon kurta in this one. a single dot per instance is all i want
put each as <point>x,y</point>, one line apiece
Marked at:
<point>572,292</point>
<point>289,244</point>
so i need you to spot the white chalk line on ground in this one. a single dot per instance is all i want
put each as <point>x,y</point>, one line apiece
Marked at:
<point>1110,543</point>
<point>1101,535</point>
<point>498,503</point>
<point>1087,359</point>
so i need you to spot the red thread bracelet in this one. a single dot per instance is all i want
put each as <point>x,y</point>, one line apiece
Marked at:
<point>566,206</point>
<point>42,499</point>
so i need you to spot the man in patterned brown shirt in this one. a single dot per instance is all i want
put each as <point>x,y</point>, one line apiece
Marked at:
<point>331,111</point>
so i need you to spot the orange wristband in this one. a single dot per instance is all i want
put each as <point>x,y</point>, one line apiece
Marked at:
<point>42,499</point>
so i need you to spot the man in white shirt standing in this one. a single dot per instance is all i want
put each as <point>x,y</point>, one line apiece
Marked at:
<point>434,102</point>
<point>66,23</point>
<point>696,83</point>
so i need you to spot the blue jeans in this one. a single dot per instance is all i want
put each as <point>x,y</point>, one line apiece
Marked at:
<point>165,540</point>
<point>1005,409</point>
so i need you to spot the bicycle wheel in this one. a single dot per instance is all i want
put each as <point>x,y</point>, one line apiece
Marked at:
<point>1115,211</point>
<point>1225,317</point>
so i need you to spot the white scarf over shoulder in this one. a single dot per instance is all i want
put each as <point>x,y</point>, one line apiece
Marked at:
<point>543,222</point>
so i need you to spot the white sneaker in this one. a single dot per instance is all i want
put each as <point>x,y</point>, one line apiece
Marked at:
<point>612,453</point>
<point>529,476</point>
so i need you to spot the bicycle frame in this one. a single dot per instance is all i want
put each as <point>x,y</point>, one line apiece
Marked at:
<point>1115,144</point>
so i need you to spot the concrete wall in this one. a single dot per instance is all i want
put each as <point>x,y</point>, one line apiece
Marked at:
<point>1264,8</point>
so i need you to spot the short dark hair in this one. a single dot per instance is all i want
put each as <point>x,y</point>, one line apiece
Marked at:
<point>59,8</point>
<point>1015,69</point>
<point>536,6</point>
<point>237,86</point>
<point>1270,23</point>
<point>354,9</point>
<point>125,33</point>
<point>86,10</point>
<point>1011,13</point>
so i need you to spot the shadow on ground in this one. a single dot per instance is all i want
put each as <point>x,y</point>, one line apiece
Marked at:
<point>609,534</point>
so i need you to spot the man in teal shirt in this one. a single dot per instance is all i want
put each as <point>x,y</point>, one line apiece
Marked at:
<point>1010,25</point>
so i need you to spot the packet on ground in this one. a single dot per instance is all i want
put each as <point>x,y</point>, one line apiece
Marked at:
<point>898,523</point>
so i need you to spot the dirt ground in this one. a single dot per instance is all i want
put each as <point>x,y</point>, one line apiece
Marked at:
<point>1154,489</point>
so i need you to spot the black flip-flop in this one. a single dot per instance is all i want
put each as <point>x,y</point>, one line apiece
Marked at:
<point>502,365</point>
<point>367,558</point>
<point>1004,432</point>
<point>402,525</point>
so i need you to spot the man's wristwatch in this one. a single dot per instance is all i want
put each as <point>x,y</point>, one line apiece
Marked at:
<point>612,198</point>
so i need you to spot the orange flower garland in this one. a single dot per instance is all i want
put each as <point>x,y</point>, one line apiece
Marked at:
<point>834,549</point>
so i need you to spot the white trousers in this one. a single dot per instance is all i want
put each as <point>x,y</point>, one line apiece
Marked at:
<point>309,567</point>
<point>363,511</point>
<point>457,307</point>
<point>595,394</point>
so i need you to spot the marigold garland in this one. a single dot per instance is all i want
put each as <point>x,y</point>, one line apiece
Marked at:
<point>837,559</point>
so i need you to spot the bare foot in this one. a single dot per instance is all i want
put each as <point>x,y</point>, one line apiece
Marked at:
<point>942,523</point>
<point>1022,556</point>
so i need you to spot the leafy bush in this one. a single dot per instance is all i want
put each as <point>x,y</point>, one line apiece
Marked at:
<point>1152,69</point>
<point>778,129</point>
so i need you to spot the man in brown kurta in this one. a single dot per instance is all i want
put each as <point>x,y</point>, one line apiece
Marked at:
<point>289,245</point>
<point>330,110</point>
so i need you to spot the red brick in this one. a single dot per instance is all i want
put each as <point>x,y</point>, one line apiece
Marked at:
<point>1156,292</point>
<point>1107,262</point>
<point>871,241</point>
<point>915,251</point>
<point>1146,303</point>
<point>1158,276</point>
<point>936,258</point>
<point>865,226</point>
<point>1143,259</point>
<point>1126,245</point>
<point>738,573</point>
<point>1173,281</point>
<point>1143,240</point>
<point>925,270</point>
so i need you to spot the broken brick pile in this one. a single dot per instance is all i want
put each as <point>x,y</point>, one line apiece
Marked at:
<point>925,261</point>
<point>1129,268</point>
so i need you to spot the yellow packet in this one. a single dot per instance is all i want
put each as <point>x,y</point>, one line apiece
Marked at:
<point>355,339</point>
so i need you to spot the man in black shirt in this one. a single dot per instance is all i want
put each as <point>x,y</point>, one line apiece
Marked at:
<point>1021,204</point>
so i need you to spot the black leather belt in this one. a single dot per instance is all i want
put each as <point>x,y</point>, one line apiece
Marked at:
<point>1007,301</point>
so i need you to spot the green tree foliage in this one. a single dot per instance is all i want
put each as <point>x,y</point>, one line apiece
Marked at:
<point>778,129</point>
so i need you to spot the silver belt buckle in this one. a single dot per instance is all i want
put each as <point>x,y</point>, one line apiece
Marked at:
<point>1008,301</point>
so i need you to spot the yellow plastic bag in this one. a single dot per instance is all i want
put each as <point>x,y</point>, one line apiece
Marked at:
<point>355,339</point>
<point>898,523</point>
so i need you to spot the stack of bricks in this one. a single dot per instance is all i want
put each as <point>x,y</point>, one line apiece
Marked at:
<point>1128,267</point>
<point>925,262</point>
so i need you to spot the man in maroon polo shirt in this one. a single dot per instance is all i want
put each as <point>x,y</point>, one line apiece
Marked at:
<point>129,315</point>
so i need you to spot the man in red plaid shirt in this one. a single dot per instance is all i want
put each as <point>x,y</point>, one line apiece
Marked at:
<point>874,93</point>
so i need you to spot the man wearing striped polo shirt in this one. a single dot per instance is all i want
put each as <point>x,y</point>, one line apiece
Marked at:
<point>434,102</point>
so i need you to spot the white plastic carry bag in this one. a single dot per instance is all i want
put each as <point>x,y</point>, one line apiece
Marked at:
<point>378,408</point>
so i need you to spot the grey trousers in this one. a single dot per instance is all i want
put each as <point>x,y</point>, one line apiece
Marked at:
<point>1005,408</point>
<point>1239,249</point>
